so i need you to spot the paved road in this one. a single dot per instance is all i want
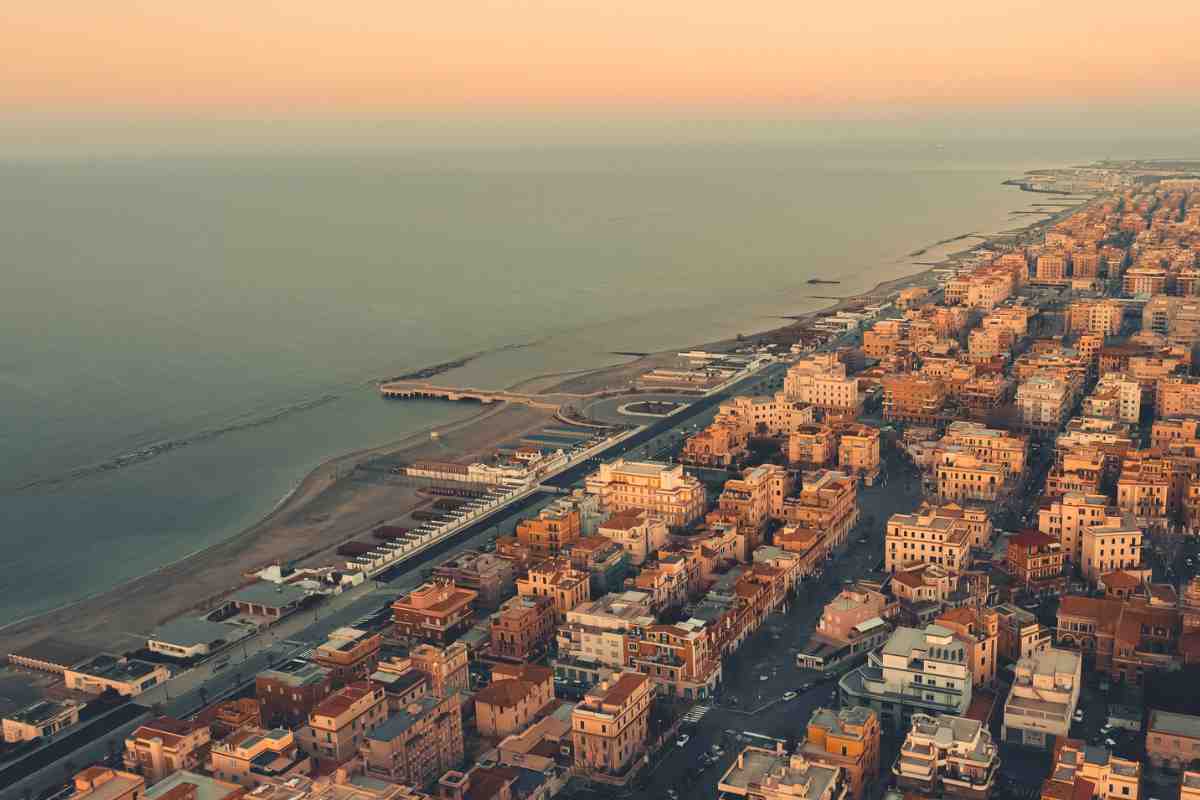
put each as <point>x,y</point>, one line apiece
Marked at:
<point>771,654</point>
<point>189,691</point>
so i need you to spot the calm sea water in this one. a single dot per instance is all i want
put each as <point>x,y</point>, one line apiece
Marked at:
<point>181,340</point>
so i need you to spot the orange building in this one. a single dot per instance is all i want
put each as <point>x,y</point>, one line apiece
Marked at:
<point>1035,562</point>
<point>523,628</point>
<point>102,783</point>
<point>555,578</point>
<point>979,630</point>
<point>849,739</point>
<point>436,612</point>
<point>825,500</point>
<point>337,725</point>
<point>550,531</point>
<point>610,724</point>
<point>912,398</point>
<point>165,745</point>
<point>516,697</point>
<point>349,654</point>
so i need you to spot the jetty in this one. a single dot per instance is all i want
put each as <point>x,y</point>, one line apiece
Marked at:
<point>409,390</point>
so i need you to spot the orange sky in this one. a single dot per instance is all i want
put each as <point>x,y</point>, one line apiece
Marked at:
<point>400,56</point>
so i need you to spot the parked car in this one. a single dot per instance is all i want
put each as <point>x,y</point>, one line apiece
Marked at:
<point>789,695</point>
<point>683,740</point>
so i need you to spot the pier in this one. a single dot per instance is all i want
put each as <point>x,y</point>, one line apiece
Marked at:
<point>404,390</point>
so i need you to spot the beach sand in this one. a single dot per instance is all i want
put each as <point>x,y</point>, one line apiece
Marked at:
<point>329,506</point>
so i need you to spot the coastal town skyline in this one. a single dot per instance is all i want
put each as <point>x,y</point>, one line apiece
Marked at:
<point>565,400</point>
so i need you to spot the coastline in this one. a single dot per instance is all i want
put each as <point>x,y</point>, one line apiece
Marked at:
<point>326,507</point>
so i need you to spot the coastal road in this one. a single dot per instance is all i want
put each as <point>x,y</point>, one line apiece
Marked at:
<point>190,690</point>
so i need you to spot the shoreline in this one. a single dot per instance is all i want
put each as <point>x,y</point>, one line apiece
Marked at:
<point>102,611</point>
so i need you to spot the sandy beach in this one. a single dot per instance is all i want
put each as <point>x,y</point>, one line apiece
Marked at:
<point>330,506</point>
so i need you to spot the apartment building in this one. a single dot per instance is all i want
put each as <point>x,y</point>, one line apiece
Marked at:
<point>753,498</point>
<point>761,774</point>
<point>1043,698</point>
<point>1051,267</point>
<point>1044,402</point>
<point>339,724</point>
<point>846,739</point>
<point>1165,432</point>
<point>517,695</point>
<point>978,628</point>
<point>1021,635</point>
<point>1176,397</point>
<point>821,381</point>
<point>1107,548</point>
<point>1122,399</point>
<point>661,489</point>
<point>669,581</point>
<point>962,476</point>
<point>1035,560</point>
<point>523,628</point>
<point>435,612</point>
<point>163,745</point>
<point>1100,317</point>
<point>638,532</point>
<point>416,744</point>
<point>719,445</point>
<point>555,578</point>
<point>1076,763</point>
<point>913,398</point>
<point>764,415</point>
<point>349,654</point>
<point>858,450</point>
<point>1076,470</point>
<point>253,756</point>
<point>102,783</point>
<point>1126,637</point>
<point>1172,740</point>
<point>609,726</point>
<point>597,636</point>
<point>446,668</point>
<point>947,756</point>
<point>489,575</point>
<point>1066,517</point>
<point>552,530</point>
<point>989,445</point>
<point>812,446</point>
<point>287,693</point>
<point>915,672</point>
<point>682,659</point>
<point>932,535</point>
<point>1144,488</point>
<point>825,501</point>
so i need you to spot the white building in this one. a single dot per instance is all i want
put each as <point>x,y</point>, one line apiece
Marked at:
<point>917,671</point>
<point>1043,698</point>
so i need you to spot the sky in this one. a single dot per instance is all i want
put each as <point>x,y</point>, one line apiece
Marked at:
<point>363,58</point>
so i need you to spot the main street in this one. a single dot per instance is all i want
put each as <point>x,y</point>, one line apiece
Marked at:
<point>764,668</point>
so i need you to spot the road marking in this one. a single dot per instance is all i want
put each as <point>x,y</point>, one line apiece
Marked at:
<point>696,713</point>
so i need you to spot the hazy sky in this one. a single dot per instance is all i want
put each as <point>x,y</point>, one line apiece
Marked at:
<point>404,56</point>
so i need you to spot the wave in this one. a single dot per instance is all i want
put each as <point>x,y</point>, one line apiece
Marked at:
<point>152,451</point>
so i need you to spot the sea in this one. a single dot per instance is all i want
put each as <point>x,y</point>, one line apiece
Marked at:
<point>184,336</point>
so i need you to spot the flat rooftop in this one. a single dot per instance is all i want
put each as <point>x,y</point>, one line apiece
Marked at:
<point>112,668</point>
<point>192,631</point>
<point>1175,724</point>
<point>57,651</point>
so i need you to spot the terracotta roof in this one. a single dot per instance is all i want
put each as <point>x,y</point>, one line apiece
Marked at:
<point>625,686</point>
<point>961,616</point>
<point>624,520</point>
<point>341,701</point>
<point>529,672</point>
<point>505,693</point>
<point>1031,538</point>
<point>1120,580</point>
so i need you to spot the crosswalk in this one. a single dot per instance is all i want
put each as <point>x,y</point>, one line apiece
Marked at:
<point>696,713</point>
